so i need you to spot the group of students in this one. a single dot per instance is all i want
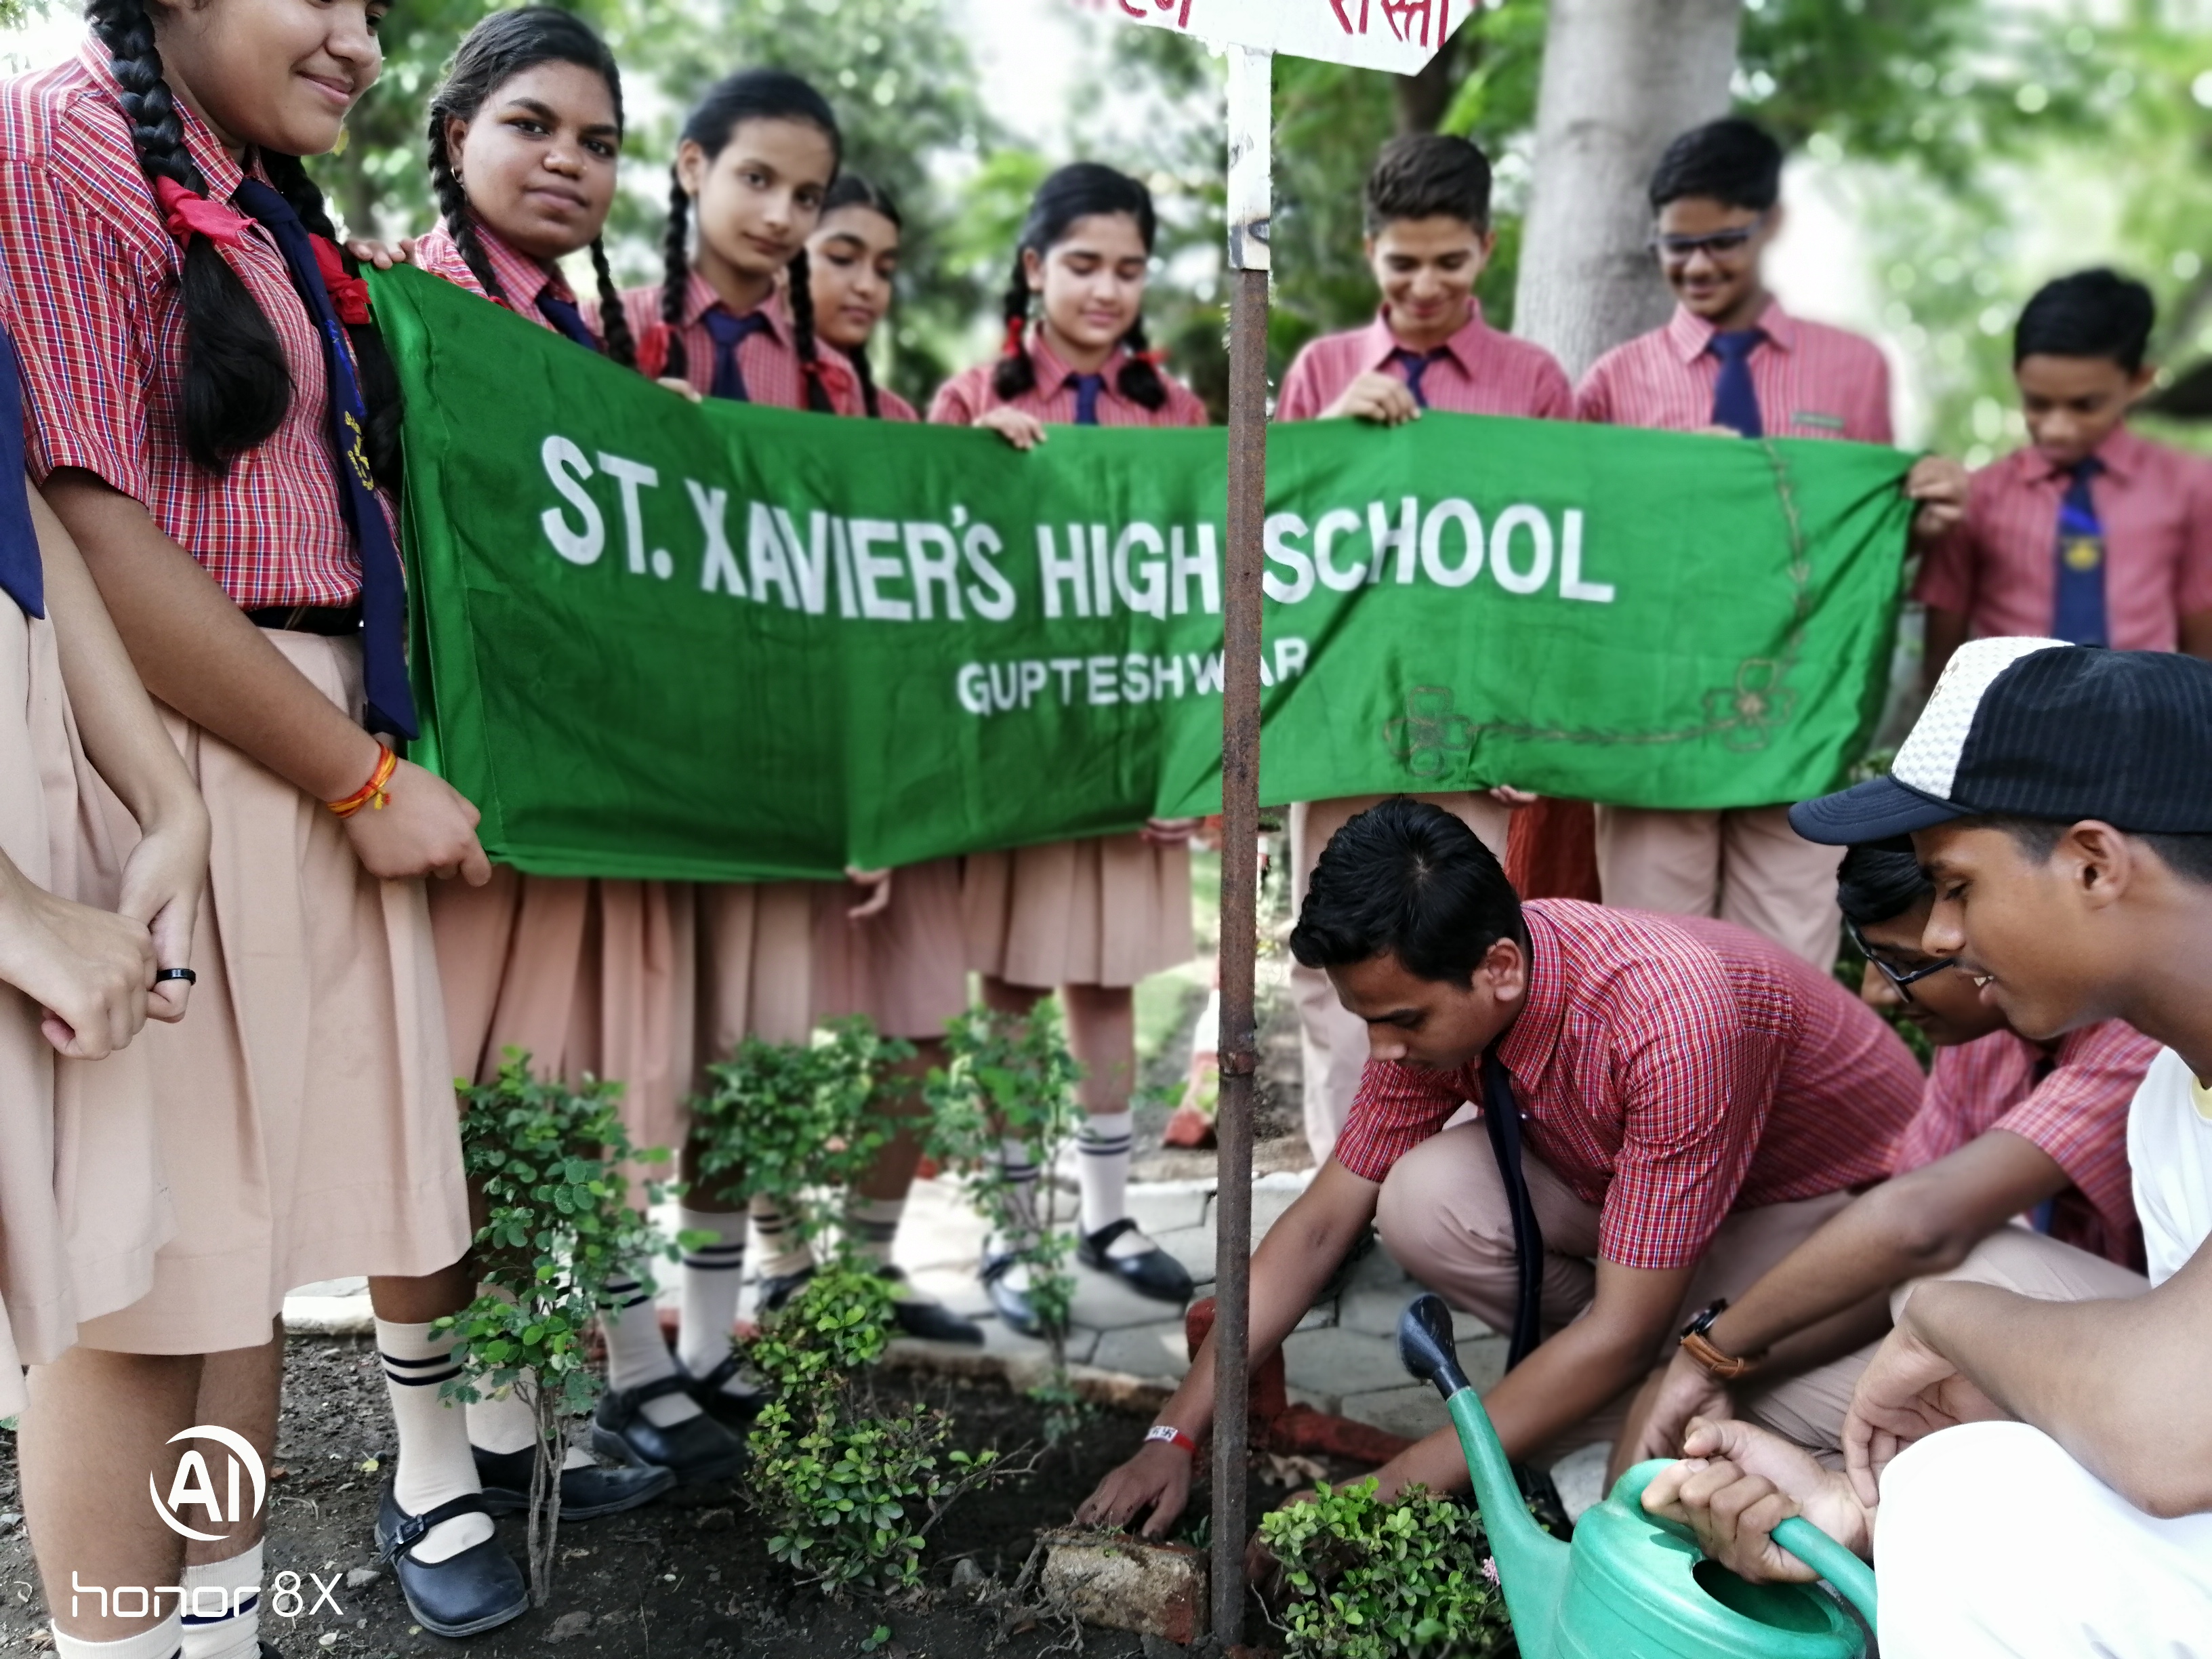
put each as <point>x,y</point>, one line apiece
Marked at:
<point>210,423</point>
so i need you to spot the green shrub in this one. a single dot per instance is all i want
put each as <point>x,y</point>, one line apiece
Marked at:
<point>1408,1580</point>
<point>550,1161</point>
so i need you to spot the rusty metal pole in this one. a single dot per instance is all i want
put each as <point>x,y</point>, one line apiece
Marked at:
<point>1250,124</point>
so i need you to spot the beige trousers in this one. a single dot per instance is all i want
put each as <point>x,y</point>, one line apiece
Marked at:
<point>1333,1044</point>
<point>1809,1409</point>
<point>1747,866</point>
<point>1442,1215</point>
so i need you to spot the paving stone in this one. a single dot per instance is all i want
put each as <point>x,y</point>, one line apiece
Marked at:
<point>1167,1206</point>
<point>1192,1247</point>
<point>1319,1318</point>
<point>1580,1477</point>
<point>1271,1194</point>
<point>1340,1361</point>
<point>1104,1302</point>
<point>1143,1351</point>
<point>1483,1360</point>
<point>957,1288</point>
<point>1321,1402</point>
<point>1413,1411</point>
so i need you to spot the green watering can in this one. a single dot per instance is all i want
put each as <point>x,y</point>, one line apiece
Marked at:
<point>1631,1586</point>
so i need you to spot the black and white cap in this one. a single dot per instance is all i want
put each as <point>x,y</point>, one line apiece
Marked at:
<point>2041,729</point>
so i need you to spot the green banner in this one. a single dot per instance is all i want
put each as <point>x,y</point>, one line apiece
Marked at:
<point>719,642</point>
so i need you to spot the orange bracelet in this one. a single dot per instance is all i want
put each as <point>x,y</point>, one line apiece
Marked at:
<point>372,793</point>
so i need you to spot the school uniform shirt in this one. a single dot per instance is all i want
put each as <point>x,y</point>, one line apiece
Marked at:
<point>2069,1099</point>
<point>1479,371</point>
<point>774,376</point>
<point>2170,1149</point>
<point>89,281</point>
<point>966,396</point>
<point>1812,381</point>
<point>1998,568</point>
<point>894,407</point>
<point>523,281</point>
<point>1669,1070</point>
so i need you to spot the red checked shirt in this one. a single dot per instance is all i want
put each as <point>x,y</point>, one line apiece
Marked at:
<point>966,396</point>
<point>1812,381</point>
<point>1999,568</point>
<point>89,279</point>
<point>1480,372</point>
<point>895,407</point>
<point>521,279</point>
<point>1670,1069</point>
<point>2070,1101</point>
<point>774,376</point>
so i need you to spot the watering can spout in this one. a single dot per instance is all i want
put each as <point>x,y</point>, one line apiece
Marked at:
<point>1532,1564</point>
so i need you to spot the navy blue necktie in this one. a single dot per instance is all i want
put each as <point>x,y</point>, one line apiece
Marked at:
<point>1735,400</point>
<point>1087,390</point>
<point>730,333</point>
<point>383,580</point>
<point>2078,616</point>
<point>1416,364</point>
<point>564,315</point>
<point>22,576</point>
<point>1501,1116</point>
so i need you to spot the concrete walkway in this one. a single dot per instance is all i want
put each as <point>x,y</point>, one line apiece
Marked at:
<point>1342,1359</point>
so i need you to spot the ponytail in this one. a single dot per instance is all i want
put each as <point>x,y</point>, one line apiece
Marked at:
<point>238,385</point>
<point>497,49</point>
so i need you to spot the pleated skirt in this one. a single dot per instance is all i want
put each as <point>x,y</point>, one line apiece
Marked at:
<point>1109,910</point>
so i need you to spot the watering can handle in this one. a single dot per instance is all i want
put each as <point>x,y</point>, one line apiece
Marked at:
<point>1851,1576</point>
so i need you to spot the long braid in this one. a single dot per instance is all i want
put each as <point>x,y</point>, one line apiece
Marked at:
<point>614,321</point>
<point>454,211</point>
<point>1140,381</point>
<point>864,372</point>
<point>802,334</point>
<point>379,378</point>
<point>238,385</point>
<point>1016,374</point>
<point>675,276</point>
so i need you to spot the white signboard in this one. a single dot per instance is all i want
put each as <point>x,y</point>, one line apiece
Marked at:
<point>1400,36</point>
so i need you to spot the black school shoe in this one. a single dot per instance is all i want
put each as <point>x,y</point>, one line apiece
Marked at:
<point>1152,1272</point>
<point>1015,1309</point>
<point>926,1319</point>
<point>479,1590</point>
<point>699,1450</point>
<point>586,1494</point>
<point>733,1410</point>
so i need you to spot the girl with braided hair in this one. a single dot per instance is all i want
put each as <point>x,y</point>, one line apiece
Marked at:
<point>854,257</point>
<point>1093,916</point>
<point>588,977</point>
<point>733,315</point>
<point>205,415</point>
<point>524,132</point>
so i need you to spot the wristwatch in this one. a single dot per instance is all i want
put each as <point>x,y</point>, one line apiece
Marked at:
<point>1724,1367</point>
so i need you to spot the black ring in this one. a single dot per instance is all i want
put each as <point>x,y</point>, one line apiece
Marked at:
<point>183,974</point>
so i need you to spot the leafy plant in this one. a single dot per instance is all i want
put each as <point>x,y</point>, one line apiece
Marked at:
<point>791,1122</point>
<point>1370,1580</point>
<point>1012,1078</point>
<point>549,1160</point>
<point>850,1498</point>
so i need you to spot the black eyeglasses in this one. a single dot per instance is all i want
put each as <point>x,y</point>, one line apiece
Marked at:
<point>1720,244</point>
<point>1903,981</point>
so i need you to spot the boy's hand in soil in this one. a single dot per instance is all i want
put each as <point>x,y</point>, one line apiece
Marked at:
<point>1156,1478</point>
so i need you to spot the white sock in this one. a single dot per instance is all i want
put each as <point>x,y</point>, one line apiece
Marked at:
<point>781,1250</point>
<point>1017,1161</point>
<point>872,1227</point>
<point>714,1274</point>
<point>164,1641</point>
<point>434,1464</point>
<point>506,1422</point>
<point>638,1354</point>
<point>1102,1167</point>
<point>222,1608</point>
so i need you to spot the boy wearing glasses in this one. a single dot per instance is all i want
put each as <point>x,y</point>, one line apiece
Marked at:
<point>1733,362</point>
<point>2007,1128</point>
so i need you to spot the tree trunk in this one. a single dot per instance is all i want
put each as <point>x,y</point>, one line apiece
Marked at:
<point>1621,78</point>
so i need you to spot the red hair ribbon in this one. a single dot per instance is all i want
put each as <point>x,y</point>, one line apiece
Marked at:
<point>836,379</point>
<point>1018,331</point>
<point>348,294</point>
<point>189,214</point>
<point>1156,359</point>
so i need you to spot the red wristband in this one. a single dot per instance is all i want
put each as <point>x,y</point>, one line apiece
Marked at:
<point>1168,1434</point>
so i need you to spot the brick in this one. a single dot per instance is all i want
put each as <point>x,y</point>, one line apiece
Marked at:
<point>1119,1582</point>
